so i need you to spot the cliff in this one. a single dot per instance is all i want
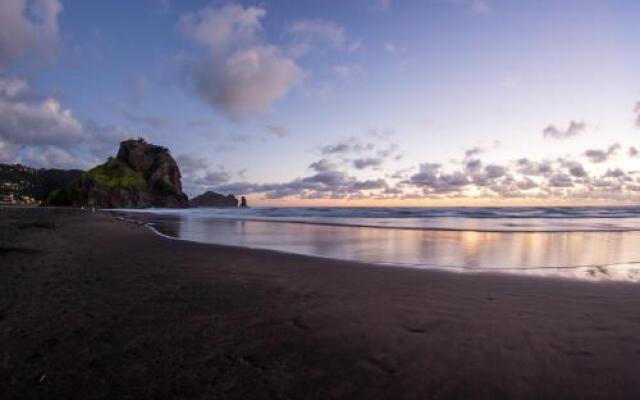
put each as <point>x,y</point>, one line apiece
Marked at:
<point>213,199</point>
<point>141,175</point>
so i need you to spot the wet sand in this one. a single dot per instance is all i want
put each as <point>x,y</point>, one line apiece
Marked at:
<point>92,307</point>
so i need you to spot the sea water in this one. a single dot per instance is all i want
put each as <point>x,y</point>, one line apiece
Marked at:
<point>592,243</point>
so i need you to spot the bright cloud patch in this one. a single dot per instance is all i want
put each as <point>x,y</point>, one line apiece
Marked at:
<point>30,121</point>
<point>239,74</point>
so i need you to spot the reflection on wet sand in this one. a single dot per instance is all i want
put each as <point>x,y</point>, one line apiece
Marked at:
<point>581,255</point>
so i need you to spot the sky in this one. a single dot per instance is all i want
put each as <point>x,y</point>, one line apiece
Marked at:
<point>354,103</point>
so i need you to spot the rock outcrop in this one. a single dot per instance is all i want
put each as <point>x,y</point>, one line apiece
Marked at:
<point>141,175</point>
<point>213,199</point>
<point>243,202</point>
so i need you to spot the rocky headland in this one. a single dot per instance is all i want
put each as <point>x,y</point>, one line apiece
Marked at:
<point>141,175</point>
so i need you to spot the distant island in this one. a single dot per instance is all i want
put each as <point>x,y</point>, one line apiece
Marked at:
<point>142,175</point>
<point>213,199</point>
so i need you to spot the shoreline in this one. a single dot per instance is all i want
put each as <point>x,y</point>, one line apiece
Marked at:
<point>91,307</point>
<point>422,267</point>
<point>442,246</point>
<point>408,228</point>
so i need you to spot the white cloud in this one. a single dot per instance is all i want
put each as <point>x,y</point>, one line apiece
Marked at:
<point>636,110</point>
<point>239,74</point>
<point>41,122</point>
<point>48,156</point>
<point>28,28</point>
<point>39,131</point>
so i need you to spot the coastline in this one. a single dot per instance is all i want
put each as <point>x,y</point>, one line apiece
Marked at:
<point>176,213</point>
<point>93,307</point>
<point>573,254</point>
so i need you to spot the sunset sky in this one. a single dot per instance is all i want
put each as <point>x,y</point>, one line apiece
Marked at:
<point>361,102</point>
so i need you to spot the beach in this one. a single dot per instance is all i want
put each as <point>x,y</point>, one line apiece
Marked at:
<point>95,307</point>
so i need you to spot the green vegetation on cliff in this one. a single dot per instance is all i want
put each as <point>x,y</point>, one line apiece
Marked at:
<point>114,174</point>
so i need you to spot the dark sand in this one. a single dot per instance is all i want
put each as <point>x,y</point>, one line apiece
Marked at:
<point>96,308</point>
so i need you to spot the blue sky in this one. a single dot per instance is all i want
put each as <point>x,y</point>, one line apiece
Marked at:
<point>333,102</point>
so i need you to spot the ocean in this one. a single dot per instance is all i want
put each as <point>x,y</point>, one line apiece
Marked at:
<point>587,243</point>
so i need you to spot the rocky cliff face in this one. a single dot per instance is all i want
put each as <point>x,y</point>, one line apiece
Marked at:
<point>141,175</point>
<point>213,199</point>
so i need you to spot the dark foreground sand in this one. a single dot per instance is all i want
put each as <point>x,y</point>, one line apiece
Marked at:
<point>96,308</point>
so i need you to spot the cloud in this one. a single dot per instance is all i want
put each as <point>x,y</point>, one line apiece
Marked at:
<point>39,131</point>
<point>473,165</point>
<point>574,129</point>
<point>308,34</point>
<point>48,156</point>
<point>473,152</point>
<point>327,181</point>
<point>337,148</point>
<point>28,28</point>
<point>632,152</point>
<point>576,169</point>
<point>239,73</point>
<point>213,178</point>
<point>191,163</point>
<point>322,165</point>
<point>198,175</point>
<point>278,130</point>
<point>495,171</point>
<point>636,110</point>
<point>29,121</point>
<point>326,184</point>
<point>562,178</point>
<point>533,168</point>
<point>599,156</point>
<point>356,145</point>
<point>362,163</point>
<point>370,154</point>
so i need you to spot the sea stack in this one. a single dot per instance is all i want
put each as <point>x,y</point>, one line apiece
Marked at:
<point>243,202</point>
<point>213,199</point>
